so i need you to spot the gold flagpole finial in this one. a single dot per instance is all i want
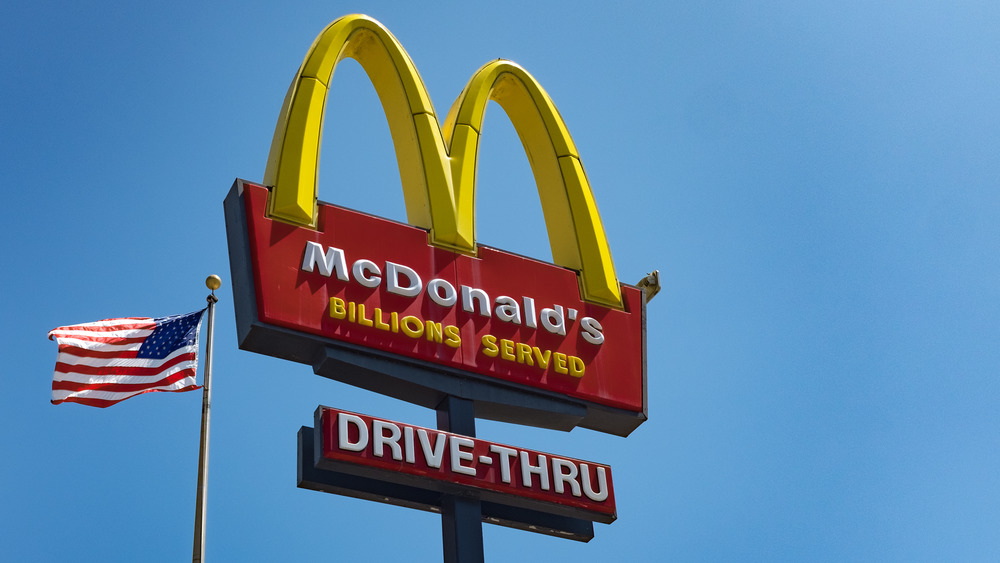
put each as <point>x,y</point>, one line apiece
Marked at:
<point>213,282</point>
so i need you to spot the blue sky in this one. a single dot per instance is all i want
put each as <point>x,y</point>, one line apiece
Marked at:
<point>818,185</point>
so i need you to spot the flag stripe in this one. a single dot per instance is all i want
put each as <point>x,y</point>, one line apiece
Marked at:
<point>110,331</point>
<point>102,363</point>
<point>85,353</point>
<point>130,366</point>
<point>94,344</point>
<point>109,325</point>
<point>65,385</point>
<point>112,322</point>
<point>90,373</point>
<point>105,399</point>
<point>119,337</point>
<point>77,382</point>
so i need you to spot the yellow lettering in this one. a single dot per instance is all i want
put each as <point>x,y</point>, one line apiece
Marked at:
<point>379,323</point>
<point>337,310</point>
<point>490,346</point>
<point>524,354</point>
<point>542,357</point>
<point>507,350</point>
<point>412,326</point>
<point>362,320</point>
<point>560,365</point>
<point>433,331</point>
<point>452,336</point>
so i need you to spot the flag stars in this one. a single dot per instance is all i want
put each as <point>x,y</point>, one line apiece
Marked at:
<point>170,334</point>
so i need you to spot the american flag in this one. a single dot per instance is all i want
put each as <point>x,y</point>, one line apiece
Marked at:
<point>104,362</point>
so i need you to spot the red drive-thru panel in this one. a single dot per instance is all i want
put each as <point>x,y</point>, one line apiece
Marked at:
<point>409,454</point>
<point>378,284</point>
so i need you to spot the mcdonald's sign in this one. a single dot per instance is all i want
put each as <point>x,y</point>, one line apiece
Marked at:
<point>421,310</point>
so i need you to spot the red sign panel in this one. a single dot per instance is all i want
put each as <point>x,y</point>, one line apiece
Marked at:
<point>378,284</point>
<point>394,449</point>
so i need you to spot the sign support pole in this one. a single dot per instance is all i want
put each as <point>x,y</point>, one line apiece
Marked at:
<point>213,282</point>
<point>461,517</point>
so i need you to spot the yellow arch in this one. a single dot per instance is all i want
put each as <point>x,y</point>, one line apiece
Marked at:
<point>438,169</point>
<point>292,164</point>
<point>576,233</point>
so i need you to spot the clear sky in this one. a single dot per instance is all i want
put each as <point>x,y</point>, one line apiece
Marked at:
<point>819,185</point>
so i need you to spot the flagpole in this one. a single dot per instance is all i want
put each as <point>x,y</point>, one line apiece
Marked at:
<point>213,282</point>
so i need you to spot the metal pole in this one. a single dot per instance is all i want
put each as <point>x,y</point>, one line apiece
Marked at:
<point>213,282</point>
<point>461,517</point>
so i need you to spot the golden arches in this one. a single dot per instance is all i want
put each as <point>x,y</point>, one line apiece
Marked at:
<point>438,169</point>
